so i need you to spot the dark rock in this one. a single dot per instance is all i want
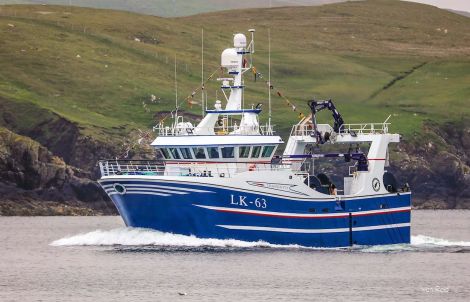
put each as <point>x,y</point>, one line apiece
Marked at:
<point>31,173</point>
<point>436,165</point>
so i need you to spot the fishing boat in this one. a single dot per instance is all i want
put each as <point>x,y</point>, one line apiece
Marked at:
<point>221,178</point>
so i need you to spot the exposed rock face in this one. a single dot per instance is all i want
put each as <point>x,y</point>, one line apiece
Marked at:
<point>60,136</point>
<point>436,164</point>
<point>30,174</point>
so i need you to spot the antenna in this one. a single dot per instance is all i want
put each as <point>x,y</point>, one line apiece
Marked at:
<point>269,79</point>
<point>176,90</point>
<point>202,71</point>
<point>252,45</point>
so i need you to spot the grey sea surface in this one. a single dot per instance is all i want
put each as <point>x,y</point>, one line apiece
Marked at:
<point>98,259</point>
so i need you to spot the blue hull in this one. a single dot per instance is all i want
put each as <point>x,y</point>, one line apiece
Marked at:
<point>227,213</point>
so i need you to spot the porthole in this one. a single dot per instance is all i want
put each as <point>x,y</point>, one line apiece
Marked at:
<point>119,189</point>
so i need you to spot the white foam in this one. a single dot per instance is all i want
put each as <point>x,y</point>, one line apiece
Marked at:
<point>418,243</point>
<point>137,236</point>
<point>147,237</point>
<point>423,240</point>
<point>386,248</point>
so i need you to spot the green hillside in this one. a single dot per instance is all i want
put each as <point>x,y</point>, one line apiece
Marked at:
<point>374,58</point>
<point>172,8</point>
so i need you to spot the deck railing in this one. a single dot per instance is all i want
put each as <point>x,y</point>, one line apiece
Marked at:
<point>131,167</point>
<point>367,128</point>
<point>307,129</point>
<point>158,168</point>
<point>163,130</point>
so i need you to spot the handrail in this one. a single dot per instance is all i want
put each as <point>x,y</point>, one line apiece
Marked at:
<point>365,128</point>
<point>173,130</point>
<point>158,168</point>
<point>308,130</point>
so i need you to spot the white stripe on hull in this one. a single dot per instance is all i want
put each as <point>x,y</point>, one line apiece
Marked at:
<point>313,231</point>
<point>295,215</point>
<point>111,190</point>
<point>159,187</point>
<point>139,193</point>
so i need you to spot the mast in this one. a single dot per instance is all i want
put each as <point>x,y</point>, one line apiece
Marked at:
<point>202,71</point>
<point>176,95</point>
<point>269,80</point>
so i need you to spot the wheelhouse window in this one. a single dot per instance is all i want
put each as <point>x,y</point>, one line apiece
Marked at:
<point>228,152</point>
<point>186,153</point>
<point>267,151</point>
<point>256,151</point>
<point>199,153</point>
<point>174,153</point>
<point>244,152</point>
<point>213,152</point>
<point>165,153</point>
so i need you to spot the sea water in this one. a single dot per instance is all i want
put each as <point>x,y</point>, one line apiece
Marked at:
<point>98,259</point>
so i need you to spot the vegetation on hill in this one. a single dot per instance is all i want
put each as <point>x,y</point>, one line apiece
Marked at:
<point>97,67</point>
<point>79,80</point>
<point>172,8</point>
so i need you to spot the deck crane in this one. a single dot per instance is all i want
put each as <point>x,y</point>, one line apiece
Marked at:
<point>317,106</point>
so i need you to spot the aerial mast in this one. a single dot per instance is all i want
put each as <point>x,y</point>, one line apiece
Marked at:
<point>269,80</point>
<point>202,71</point>
<point>176,95</point>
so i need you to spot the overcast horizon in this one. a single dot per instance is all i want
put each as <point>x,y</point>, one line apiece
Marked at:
<point>461,5</point>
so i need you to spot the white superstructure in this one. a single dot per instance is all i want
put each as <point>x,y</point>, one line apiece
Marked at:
<point>228,133</point>
<point>230,140</point>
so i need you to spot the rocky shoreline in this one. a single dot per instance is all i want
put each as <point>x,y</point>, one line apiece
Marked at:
<point>33,181</point>
<point>37,181</point>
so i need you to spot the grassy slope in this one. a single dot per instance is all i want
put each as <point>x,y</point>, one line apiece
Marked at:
<point>172,8</point>
<point>345,51</point>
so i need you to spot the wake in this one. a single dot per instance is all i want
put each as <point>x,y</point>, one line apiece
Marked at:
<point>145,237</point>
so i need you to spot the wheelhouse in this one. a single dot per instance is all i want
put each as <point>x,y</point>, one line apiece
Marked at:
<point>217,153</point>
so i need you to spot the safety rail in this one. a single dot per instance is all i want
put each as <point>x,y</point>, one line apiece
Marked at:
<point>173,130</point>
<point>307,129</point>
<point>302,130</point>
<point>131,167</point>
<point>195,169</point>
<point>367,128</point>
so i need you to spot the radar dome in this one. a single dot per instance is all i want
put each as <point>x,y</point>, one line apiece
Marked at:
<point>230,58</point>
<point>239,41</point>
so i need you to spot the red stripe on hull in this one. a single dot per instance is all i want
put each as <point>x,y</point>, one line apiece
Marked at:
<point>354,214</point>
<point>279,216</point>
